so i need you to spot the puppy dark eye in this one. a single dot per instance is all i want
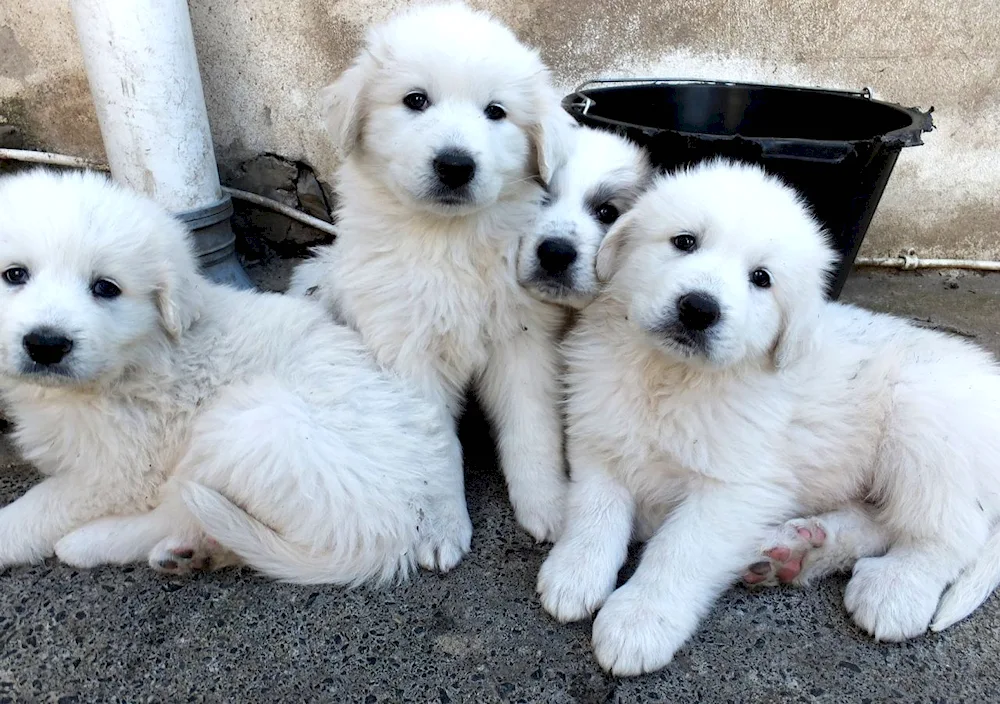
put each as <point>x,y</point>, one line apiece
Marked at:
<point>16,275</point>
<point>495,112</point>
<point>104,288</point>
<point>546,200</point>
<point>416,101</point>
<point>760,278</point>
<point>685,242</point>
<point>606,213</point>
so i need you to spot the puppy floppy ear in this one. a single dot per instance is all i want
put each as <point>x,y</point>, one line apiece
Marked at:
<point>609,253</point>
<point>551,134</point>
<point>344,102</point>
<point>799,335</point>
<point>178,292</point>
<point>802,311</point>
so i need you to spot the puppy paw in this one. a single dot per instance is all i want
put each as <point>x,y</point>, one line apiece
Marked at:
<point>19,549</point>
<point>540,513</point>
<point>634,633</point>
<point>445,547</point>
<point>570,587</point>
<point>891,600</point>
<point>178,557</point>
<point>787,554</point>
<point>77,549</point>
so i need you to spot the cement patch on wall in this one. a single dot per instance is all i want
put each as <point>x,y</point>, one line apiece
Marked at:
<point>263,63</point>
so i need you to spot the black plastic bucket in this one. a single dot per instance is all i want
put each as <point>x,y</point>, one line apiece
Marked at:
<point>837,148</point>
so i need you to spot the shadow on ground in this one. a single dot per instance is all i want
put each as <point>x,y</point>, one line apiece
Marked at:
<point>477,634</point>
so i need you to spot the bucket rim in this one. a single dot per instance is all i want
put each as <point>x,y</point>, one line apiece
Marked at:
<point>578,103</point>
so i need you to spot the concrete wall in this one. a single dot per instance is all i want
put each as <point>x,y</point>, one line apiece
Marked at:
<point>263,61</point>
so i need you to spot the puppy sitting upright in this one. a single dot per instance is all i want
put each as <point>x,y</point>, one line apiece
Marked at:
<point>446,123</point>
<point>714,394</point>
<point>161,407</point>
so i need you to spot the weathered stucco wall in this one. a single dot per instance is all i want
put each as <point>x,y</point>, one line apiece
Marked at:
<point>263,62</point>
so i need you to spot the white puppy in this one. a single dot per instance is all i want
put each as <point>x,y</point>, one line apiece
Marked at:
<point>599,181</point>
<point>446,122</point>
<point>714,393</point>
<point>145,393</point>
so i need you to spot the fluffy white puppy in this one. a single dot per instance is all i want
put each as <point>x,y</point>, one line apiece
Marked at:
<point>162,407</point>
<point>599,181</point>
<point>714,393</point>
<point>446,122</point>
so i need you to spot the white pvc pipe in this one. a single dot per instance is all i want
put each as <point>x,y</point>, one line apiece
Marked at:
<point>287,211</point>
<point>140,60</point>
<point>48,158</point>
<point>912,261</point>
<point>143,73</point>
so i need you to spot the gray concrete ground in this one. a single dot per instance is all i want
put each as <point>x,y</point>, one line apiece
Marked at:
<point>477,634</point>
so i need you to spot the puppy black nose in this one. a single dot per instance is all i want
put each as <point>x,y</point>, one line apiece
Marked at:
<point>46,346</point>
<point>698,311</point>
<point>555,255</point>
<point>454,168</point>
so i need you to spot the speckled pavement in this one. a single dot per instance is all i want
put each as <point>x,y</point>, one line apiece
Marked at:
<point>477,634</point>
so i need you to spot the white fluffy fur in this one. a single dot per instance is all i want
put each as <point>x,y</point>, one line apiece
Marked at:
<point>431,285</point>
<point>790,404</point>
<point>253,411</point>
<point>601,170</point>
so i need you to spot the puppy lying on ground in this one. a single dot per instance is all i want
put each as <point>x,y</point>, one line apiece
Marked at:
<point>599,181</point>
<point>162,408</point>
<point>714,393</point>
<point>446,123</point>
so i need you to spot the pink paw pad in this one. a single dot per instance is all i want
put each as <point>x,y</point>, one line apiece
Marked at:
<point>784,558</point>
<point>813,533</point>
<point>183,560</point>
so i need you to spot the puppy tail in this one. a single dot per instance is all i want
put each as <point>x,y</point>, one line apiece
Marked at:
<point>972,587</point>
<point>266,551</point>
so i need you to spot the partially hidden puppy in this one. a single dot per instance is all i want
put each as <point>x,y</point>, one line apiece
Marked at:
<point>600,179</point>
<point>447,126</point>
<point>714,393</point>
<point>179,421</point>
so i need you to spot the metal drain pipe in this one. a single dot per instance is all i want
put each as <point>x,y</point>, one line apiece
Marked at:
<point>143,73</point>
